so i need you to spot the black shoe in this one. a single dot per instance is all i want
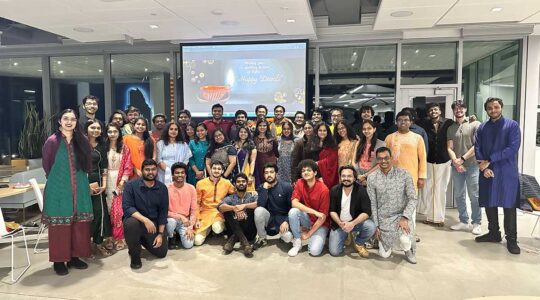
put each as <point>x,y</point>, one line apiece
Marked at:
<point>229,245</point>
<point>259,243</point>
<point>490,237</point>
<point>135,263</point>
<point>76,263</point>
<point>60,268</point>
<point>513,247</point>
<point>248,251</point>
<point>172,243</point>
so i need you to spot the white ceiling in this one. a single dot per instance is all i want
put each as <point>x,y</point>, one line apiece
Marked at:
<point>433,13</point>
<point>110,20</point>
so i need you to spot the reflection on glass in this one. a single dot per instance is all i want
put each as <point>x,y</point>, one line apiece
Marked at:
<point>73,78</point>
<point>491,69</point>
<point>142,80</point>
<point>428,63</point>
<point>20,84</point>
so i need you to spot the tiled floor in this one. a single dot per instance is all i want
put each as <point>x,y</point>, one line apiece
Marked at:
<point>450,266</point>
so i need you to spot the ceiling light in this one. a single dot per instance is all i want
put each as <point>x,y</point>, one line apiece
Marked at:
<point>216,12</point>
<point>496,9</point>
<point>39,70</point>
<point>291,20</point>
<point>112,60</point>
<point>167,59</point>
<point>59,62</point>
<point>405,62</point>
<point>83,29</point>
<point>15,63</point>
<point>30,91</point>
<point>432,55</point>
<point>100,70</point>
<point>229,23</point>
<point>153,26</point>
<point>401,13</point>
<point>146,69</point>
<point>354,53</point>
<point>417,51</point>
<point>352,65</point>
<point>61,71</point>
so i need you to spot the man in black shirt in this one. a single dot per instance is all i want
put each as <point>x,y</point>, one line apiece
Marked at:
<point>145,202</point>
<point>274,203</point>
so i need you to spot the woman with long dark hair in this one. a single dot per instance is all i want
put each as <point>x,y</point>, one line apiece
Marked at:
<point>364,160</point>
<point>285,149</point>
<point>171,148</point>
<point>67,207</point>
<point>267,148</point>
<point>190,131</point>
<point>347,143</point>
<point>301,151</point>
<point>221,150</point>
<point>140,144</point>
<point>246,155</point>
<point>120,169</point>
<point>101,225</point>
<point>199,148</point>
<point>324,142</point>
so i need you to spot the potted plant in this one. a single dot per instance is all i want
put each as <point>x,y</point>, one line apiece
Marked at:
<point>32,136</point>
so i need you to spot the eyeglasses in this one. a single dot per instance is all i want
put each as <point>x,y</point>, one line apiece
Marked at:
<point>386,158</point>
<point>403,121</point>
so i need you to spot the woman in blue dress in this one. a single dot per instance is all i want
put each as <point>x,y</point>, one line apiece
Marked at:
<point>171,148</point>
<point>198,147</point>
<point>246,155</point>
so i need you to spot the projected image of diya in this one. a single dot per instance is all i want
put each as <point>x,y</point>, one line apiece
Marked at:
<point>214,93</point>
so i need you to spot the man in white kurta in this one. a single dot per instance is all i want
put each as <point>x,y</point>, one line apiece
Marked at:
<point>393,203</point>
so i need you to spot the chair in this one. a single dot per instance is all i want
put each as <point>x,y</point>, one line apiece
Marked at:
<point>39,198</point>
<point>4,234</point>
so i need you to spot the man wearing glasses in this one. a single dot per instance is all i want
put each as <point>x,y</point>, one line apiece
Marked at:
<point>393,204</point>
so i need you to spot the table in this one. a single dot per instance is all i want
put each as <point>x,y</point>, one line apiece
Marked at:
<point>18,198</point>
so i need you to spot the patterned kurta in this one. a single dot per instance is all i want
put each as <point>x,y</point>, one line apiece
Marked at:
<point>284,161</point>
<point>392,196</point>
<point>170,154</point>
<point>209,195</point>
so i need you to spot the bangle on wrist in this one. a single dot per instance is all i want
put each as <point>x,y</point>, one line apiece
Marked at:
<point>463,158</point>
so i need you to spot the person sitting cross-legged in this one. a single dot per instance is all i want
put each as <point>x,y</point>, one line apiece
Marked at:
<point>350,209</point>
<point>237,209</point>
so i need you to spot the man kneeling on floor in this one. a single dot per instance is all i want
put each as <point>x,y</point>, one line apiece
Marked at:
<point>393,202</point>
<point>183,208</point>
<point>308,218</point>
<point>350,210</point>
<point>237,209</point>
<point>145,202</point>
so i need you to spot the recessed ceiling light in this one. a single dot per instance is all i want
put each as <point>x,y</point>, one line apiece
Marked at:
<point>146,69</point>
<point>405,62</point>
<point>15,63</point>
<point>229,23</point>
<point>100,70</point>
<point>83,29</point>
<point>61,71</point>
<point>401,13</point>
<point>167,59</point>
<point>153,26</point>
<point>39,70</point>
<point>432,55</point>
<point>291,20</point>
<point>496,9</point>
<point>59,62</point>
<point>112,60</point>
<point>417,51</point>
<point>216,12</point>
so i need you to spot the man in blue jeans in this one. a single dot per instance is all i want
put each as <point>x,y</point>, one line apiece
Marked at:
<point>350,210</point>
<point>308,217</point>
<point>465,170</point>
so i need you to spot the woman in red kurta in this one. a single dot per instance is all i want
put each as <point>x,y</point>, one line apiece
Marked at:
<point>328,155</point>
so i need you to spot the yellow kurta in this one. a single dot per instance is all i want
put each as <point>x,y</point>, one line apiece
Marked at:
<point>409,153</point>
<point>209,195</point>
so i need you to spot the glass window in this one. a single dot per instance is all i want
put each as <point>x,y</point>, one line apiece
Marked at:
<point>351,77</point>
<point>20,85</point>
<point>73,78</point>
<point>428,63</point>
<point>491,69</point>
<point>142,80</point>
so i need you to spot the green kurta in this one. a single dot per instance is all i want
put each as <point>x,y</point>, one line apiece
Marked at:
<point>67,192</point>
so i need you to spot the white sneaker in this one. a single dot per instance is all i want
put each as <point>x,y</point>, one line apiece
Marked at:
<point>460,226</point>
<point>410,257</point>
<point>297,245</point>
<point>384,253</point>
<point>476,229</point>
<point>287,237</point>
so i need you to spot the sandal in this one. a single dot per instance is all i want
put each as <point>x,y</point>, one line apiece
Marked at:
<point>120,245</point>
<point>108,244</point>
<point>102,250</point>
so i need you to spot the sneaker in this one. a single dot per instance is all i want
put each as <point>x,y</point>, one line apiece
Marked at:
<point>136,262</point>
<point>513,247</point>
<point>297,245</point>
<point>410,257</point>
<point>490,237</point>
<point>384,253</point>
<point>287,237</point>
<point>259,243</point>
<point>76,263</point>
<point>229,245</point>
<point>476,229</point>
<point>361,250</point>
<point>460,226</point>
<point>248,251</point>
<point>60,268</point>
<point>172,243</point>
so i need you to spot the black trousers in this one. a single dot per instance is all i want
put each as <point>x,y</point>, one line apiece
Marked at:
<point>136,235</point>
<point>241,228</point>
<point>510,222</point>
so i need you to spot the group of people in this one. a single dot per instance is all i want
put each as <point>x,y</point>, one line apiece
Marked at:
<point>121,184</point>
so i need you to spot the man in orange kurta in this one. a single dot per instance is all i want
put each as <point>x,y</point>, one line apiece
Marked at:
<point>210,192</point>
<point>408,150</point>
